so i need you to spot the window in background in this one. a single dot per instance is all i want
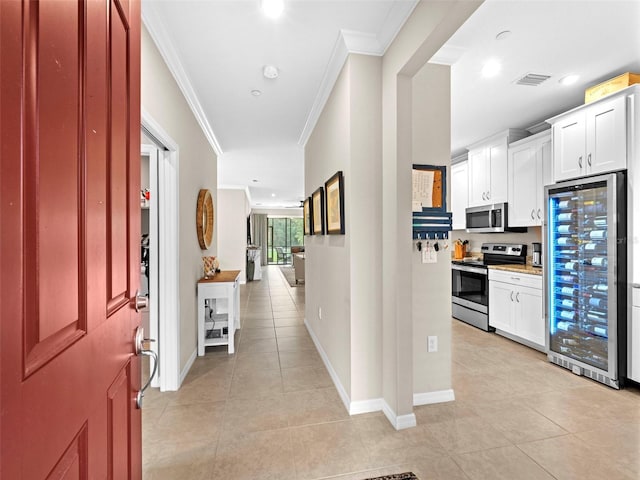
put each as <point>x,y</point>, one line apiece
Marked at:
<point>282,234</point>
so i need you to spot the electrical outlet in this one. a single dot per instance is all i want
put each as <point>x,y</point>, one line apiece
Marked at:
<point>432,345</point>
<point>320,313</point>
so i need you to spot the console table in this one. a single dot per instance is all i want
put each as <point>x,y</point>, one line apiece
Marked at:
<point>218,310</point>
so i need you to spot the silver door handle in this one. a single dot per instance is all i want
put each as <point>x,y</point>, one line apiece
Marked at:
<point>580,161</point>
<point>512,295</point>
<point>140,302</point>
<point>139,347</point>
<point>518,297</point>
<point>488,195</point>
<point>589,159</point>
<point>539,215</point>
<point>484,196</point>
<point>533,214</point>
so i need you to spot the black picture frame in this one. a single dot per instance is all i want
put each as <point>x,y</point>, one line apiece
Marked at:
<point>308,215</point>
<point>334,204</point>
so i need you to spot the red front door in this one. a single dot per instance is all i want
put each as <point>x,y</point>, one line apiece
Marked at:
<point>69,239</point>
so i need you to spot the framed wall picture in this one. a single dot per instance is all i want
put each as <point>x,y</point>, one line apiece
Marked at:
<point>317,211</point>
<point>307,216</point>
<point>334,192</point>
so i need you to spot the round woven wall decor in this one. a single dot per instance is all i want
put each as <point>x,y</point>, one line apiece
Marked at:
<point>204,218</point>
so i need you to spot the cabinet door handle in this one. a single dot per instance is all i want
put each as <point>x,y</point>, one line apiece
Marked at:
<point>518,297</point>
<point>483,196</point>
<point>533,214</point>
<point>488,195</point>
<point>589,159</point>
<point>512,295</point>
<point>539,214</point>
<point>580,161</point>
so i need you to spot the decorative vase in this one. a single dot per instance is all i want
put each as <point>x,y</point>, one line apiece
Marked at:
<point>210,265</point>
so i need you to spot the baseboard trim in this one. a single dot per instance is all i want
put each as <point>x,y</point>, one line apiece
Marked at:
<point>366,406</point>
<point>399,422</point>
<point>362,406</point>
<point>439,396</point>
<point>187,367</point>
<point>332,373</point>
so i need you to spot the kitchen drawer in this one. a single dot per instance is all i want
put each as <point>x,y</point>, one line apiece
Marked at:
<point>524,279</point>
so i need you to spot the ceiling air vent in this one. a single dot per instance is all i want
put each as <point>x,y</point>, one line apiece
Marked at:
<point>532,79</point>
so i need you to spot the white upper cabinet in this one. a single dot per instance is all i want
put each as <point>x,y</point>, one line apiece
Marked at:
<point>459,194</point>
<point>590,140</point>
<point>529,166</point>
<point>488,171</point>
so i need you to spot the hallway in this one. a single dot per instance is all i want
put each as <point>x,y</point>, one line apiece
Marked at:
<point>271,412</point>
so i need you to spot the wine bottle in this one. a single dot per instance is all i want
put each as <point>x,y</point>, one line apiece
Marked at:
<point>565,241</point>
<point>599,261</point>
<point>597,234</point>
<point>566,303</point>
<point>598,302</point>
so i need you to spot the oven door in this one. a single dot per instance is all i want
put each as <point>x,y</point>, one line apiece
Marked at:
<point>470,287</point>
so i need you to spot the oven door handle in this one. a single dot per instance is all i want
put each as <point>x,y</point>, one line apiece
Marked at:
<point>469,268</point>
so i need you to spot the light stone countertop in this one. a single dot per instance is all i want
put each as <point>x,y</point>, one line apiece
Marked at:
<point>518,269</point>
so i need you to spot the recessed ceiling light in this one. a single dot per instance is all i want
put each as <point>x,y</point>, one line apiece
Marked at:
<point>503,35</point>
<point>269,71</point>
<point>256,93</point>
<point>272,8</point>
<point>491,68</point>
<point>569,79</point>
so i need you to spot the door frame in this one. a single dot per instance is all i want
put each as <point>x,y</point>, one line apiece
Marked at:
<point>167,254</point>
<point>153,152</point>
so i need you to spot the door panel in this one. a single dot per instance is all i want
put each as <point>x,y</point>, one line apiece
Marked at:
<point>68,216</point>
<point>118,162</point>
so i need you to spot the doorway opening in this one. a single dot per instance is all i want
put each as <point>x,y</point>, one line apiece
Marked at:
<point>159,251</point>
<point>282,234</point>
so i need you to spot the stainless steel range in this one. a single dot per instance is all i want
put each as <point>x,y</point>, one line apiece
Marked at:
<point>470,281</point>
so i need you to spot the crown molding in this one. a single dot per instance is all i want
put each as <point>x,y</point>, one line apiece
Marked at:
<point>161,38</point>
<point>353,42</point>
<point>338,57</point>
<point>362,43</point>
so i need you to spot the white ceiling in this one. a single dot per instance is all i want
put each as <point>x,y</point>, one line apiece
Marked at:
<point>595,39</point>
<point>217,50</point>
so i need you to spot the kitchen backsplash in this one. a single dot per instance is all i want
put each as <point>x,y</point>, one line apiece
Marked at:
<point>533,234</point>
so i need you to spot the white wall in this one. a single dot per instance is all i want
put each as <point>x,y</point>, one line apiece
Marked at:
<point>232,212</point>
<point>327,259</point>
<point>163,100</point>
<point>365,130</point>
<point>431,286</point>
<point>429,27</point>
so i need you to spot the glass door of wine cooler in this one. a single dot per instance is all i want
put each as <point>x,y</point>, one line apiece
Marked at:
<point>581,240</point>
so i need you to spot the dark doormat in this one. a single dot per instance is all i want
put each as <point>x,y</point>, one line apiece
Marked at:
<point>397,476</point>
<point>290,275</point>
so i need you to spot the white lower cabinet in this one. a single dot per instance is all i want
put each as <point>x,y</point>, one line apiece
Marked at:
<point>515,307</point>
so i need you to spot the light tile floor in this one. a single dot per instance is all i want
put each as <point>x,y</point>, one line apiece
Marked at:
<point>271,412</point>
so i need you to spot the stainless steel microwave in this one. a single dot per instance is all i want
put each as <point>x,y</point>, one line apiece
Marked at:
<point>489,219</point>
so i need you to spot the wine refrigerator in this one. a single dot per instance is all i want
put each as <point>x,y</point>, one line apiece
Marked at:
<point>585,276</point>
